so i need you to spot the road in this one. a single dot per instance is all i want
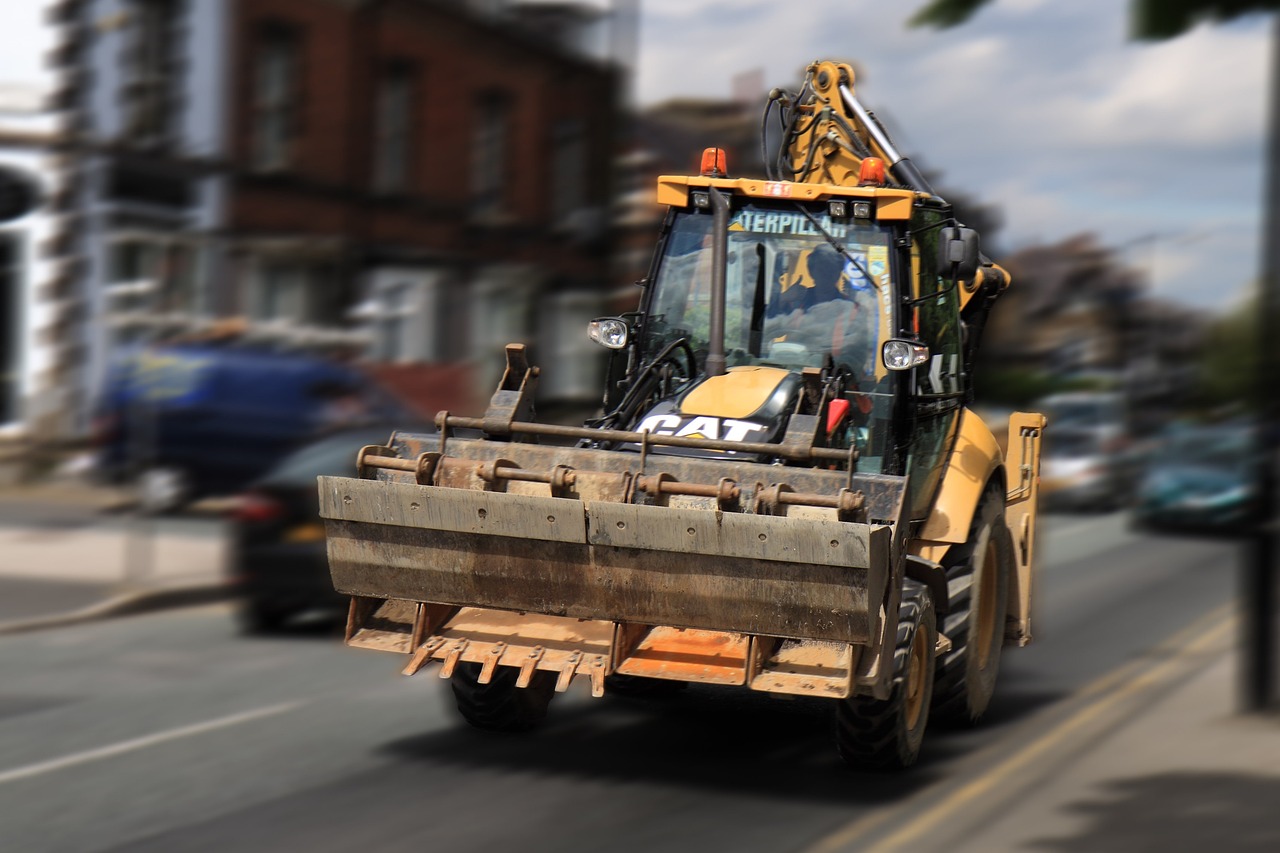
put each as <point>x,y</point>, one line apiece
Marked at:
<point>171,732</point>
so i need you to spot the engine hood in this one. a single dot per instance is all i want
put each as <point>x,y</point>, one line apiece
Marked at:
<point>746,403</point>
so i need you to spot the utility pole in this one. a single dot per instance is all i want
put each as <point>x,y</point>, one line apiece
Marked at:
<point>1258,581</point>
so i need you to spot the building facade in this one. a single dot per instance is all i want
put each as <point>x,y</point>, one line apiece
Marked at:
<point>410,182</point>
<point>29,392</point>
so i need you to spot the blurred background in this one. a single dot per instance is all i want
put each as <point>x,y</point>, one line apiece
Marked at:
<point>403,188</point>
<point>244,237</point>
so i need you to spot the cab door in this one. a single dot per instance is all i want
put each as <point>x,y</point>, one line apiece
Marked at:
<point>938,387</point>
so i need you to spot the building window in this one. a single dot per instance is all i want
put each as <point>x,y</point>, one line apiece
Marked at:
<point>276,99</point>
<point>150,72</point>
<point>489,151</point>
<point>296,291</point>
<point>568,169</point>
<point>153,275</point>
<point>393,148</point>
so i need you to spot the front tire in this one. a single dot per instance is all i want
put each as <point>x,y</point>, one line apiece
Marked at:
<point>500,706</point>
<point>886,734</point>
<point>978,583</point>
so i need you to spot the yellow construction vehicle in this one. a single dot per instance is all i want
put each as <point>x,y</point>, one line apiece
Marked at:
<point>786,491</point>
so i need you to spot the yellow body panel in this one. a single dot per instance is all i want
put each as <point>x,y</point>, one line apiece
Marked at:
<point>889,204</point>
<point>1025,433</point>
<point>973,459</point>
<point>735,394</point>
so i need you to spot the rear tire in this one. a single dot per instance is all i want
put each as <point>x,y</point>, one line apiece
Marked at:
<point>885,734</point>
<point>978,583</point>
<point>640,687</point>
<point>500,706</point>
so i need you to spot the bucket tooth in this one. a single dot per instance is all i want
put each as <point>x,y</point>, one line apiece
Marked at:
<point>424,655</point>
<point>567,672</point>
<point>491,663</point>
<point>452,658</point>
<point>526,642</point>
<point>528,666</point>
<point>597,677</point>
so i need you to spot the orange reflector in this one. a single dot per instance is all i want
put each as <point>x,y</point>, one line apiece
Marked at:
<point>714,163</point>
<point>871,173</point>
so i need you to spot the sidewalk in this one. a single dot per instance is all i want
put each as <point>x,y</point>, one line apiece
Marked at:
<point>1156,758</point>
<point>75,552</point>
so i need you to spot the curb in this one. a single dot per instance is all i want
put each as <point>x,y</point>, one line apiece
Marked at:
<point>1016,765</point>
<point>126,604</point>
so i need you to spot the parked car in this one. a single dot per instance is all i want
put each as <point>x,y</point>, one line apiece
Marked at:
<point>194,420</point>
<point>278,561</point>
<point>1199,480</point>
<point>1082,469</point>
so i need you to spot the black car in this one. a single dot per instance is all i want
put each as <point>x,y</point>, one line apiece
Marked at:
<point>278,560</point>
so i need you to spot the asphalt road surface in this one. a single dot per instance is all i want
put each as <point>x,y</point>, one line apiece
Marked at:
<point>171,732</point>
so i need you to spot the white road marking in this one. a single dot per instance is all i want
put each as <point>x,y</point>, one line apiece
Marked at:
<point>143,742</point>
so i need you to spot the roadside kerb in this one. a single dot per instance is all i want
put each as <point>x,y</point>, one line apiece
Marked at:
<point>126,604</point>
<point>1046,742</point>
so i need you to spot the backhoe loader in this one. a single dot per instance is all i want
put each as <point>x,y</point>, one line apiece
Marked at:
<point>786,490</point>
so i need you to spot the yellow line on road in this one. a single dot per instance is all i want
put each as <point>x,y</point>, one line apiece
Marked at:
<point>1110,689</point>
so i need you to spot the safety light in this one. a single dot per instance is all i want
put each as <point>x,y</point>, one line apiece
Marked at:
<point>714,163</point>
<point>871,172</point>
<point>899,354</point>
<point>608,332</point>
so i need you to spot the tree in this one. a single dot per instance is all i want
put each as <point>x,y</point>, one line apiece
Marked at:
<point>1152,19</point>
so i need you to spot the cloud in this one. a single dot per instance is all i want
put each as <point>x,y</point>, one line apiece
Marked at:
<point>1047,109</point>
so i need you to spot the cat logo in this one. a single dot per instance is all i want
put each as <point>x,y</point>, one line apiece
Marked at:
<point>701,427</point>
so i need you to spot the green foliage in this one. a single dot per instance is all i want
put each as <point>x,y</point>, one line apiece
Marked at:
<point>1018,386</point>
<point>1228,370</point>
<point>1152,19</point>
<point>1164,19</point>
<point>946,13</point>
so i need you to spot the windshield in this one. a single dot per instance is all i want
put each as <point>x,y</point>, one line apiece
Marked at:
<point>792,300</point>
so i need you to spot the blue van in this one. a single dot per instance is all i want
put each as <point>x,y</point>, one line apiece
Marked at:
<point>194,420</point>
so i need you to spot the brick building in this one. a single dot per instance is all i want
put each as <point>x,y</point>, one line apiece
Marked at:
<point>413,181</point>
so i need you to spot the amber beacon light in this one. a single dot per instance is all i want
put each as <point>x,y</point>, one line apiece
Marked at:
<point>714,163</point>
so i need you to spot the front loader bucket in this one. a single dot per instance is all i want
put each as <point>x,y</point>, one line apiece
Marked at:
<point>584,561</point>
<point>802,578</point>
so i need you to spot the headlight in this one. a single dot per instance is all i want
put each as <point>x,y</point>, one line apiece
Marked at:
<point>608,332</point>
<point>903,355</point>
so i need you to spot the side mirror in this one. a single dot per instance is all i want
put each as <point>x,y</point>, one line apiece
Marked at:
<point>958,246</point>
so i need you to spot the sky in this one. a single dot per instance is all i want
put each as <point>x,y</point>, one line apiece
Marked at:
<point>1044,109</point>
